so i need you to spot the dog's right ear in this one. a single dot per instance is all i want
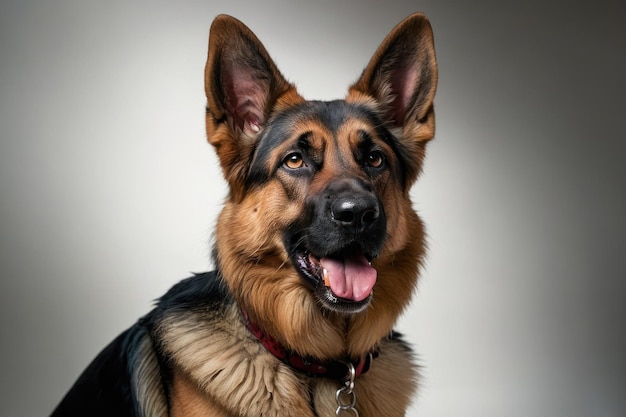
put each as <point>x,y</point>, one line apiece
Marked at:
<point>243,86</point>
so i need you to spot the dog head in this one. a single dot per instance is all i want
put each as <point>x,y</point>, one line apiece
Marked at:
<point>318,240</point>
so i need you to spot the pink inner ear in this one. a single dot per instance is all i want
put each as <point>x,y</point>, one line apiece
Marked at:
<point>245,99</point>
<point>403,84</point>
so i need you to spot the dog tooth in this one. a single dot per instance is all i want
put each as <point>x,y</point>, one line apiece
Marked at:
<point>326,278</point>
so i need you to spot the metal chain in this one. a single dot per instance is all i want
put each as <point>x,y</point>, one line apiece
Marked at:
<point>345,396</point>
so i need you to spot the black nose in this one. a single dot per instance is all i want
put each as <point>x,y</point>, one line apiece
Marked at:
<point>356,213</point>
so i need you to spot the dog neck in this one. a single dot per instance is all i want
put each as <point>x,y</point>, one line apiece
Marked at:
<point>335,369</point>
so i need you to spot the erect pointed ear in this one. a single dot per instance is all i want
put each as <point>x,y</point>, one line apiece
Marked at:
<point>242,85</point>
<point>401,77</point>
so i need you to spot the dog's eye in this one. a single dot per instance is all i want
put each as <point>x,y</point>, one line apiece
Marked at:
<point>294,161</point>
<point>375,159</point>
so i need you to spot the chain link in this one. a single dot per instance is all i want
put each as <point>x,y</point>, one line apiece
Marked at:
<point>345,396</point>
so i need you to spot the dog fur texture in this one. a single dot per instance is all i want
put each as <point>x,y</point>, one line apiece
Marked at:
<point>317,245</point>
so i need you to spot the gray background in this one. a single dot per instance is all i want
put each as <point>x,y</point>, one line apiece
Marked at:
<point>108,189</point>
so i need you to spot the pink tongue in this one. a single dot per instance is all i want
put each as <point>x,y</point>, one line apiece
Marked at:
<point>351,278</point>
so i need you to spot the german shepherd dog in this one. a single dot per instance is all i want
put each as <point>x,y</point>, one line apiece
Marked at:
<point>317,250</point>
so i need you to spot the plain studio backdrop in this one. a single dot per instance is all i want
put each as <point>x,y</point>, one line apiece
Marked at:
<point>109,191</point>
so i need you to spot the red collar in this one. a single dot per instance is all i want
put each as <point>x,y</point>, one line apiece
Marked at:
<point>339,370</point>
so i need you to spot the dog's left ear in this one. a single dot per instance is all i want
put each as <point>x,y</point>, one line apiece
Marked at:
<point>402,79</point>
<point>243,86</point>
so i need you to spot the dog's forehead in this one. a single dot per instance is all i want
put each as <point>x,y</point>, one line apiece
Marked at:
<point>327,116</point>
<point>310,127</point>
<point>331,114</point>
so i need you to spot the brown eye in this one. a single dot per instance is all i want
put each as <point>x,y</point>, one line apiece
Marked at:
<point>375,159</point>
<point>294,161</point>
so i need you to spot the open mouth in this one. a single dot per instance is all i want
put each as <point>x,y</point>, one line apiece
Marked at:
<point>342,281</point>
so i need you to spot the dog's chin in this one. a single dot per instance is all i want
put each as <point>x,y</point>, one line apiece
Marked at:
<point>310,268</point>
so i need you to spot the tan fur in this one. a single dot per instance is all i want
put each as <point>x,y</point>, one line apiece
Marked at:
<point>225,364</point>
<point>188,400</point>
<point>236,376</point>
<point>220,369</point>
<point>383,391</point>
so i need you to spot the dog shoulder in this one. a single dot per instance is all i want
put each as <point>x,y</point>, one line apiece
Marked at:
<point>214,365</point>
<point>197,291</point>
<point>392,379</point>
